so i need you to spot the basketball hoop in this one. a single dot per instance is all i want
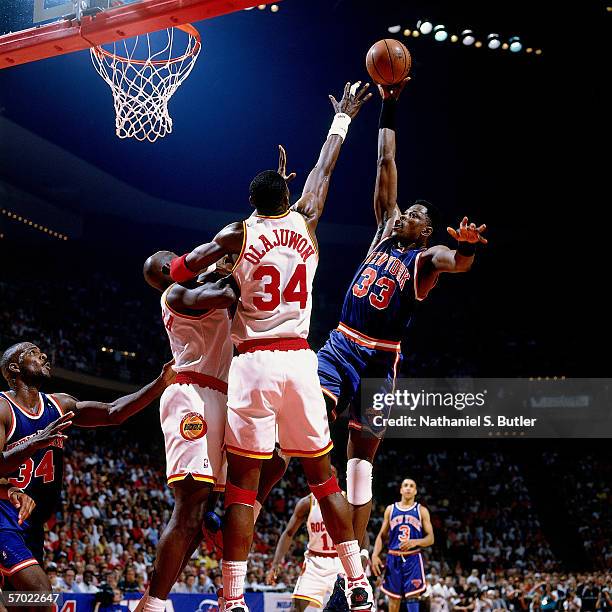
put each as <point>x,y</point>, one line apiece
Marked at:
<point>143,80</point>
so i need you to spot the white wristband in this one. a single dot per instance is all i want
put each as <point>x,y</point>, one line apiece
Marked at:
<point>365,553</point>
<point>340,125</point>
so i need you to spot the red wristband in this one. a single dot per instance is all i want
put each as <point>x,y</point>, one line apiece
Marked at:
<point>179,272</point>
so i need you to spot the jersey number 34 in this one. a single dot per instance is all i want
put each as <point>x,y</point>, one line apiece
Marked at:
<point>381,299</point>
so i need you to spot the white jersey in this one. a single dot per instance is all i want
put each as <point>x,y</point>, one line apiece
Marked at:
<point>199,343</point>
<point>319,541</point>
<point>275,271</point>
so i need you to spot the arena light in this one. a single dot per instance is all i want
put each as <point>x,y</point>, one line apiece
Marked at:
<point>274,8</point>
<point>454,38</point>
<point>515,44</point>
<point>394,29</point>
<point>440,33</point>
<point>478,44</point>
<point>30,223</point>
<point>493,41</point>
<point>424,26</point>
<point>415,33</point>
<point>407,32</point>
<point>467,38</point>
<point>538,51</point>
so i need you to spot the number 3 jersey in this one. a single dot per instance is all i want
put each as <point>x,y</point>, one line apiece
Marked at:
<point>275,271</point>
<point>381,300</point>
<point>40,476</point>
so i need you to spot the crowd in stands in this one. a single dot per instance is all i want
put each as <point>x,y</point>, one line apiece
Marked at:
<point>101,326</point>
<point>116,504</point>
<point>518,591</point>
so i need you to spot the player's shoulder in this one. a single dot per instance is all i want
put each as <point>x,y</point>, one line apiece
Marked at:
<point>65,400</point>
<point>423,509</point>
<point>389,509</point>
<point>5,407</point>
<point>304,503</point>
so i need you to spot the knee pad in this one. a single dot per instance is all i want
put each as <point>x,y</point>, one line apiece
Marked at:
<point>236,495</point>
<point>358,481</point>
<point>326,488</point>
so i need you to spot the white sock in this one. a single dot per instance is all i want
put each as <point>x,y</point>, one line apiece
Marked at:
<point>350,559</point>
<point>234,573</point>
<point>256,510</point>
<point>152,604</point>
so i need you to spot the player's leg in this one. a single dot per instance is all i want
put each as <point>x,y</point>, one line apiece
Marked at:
<point>183,530</point>
<point>32,579</point>
<point>299,605</point>
<point>365,435</point>
<point>337,517</point>
<point>271,472</point>
<point>240,494</point>
<point>361,450</point>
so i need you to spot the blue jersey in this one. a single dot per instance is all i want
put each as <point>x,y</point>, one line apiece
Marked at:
<point>404,525</point>
<point>41,475</point>
<point>382,297</point>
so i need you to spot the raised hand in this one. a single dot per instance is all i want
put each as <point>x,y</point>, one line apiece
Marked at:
<point>468,233</point>
<point>392,91</point>
<point>282,165</point>
<point>353,98</point>
<point>52,433</point>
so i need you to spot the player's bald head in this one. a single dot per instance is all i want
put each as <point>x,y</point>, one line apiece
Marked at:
<point>13,354</point>
<point>156,269</point>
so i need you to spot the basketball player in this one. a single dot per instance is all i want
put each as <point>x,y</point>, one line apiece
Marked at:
<point>321,563</point>
<point>31,436</point>
<point>398,272</point>
<point>408,526</point>
<point>192,411</point>
<point>273,382</point>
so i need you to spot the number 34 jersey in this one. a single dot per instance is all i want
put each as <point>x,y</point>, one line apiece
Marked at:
<point>275,271</point>
<point>381,300</point>
<point>40,476</point>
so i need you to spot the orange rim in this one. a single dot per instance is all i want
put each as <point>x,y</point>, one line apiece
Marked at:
<point>187,28</point>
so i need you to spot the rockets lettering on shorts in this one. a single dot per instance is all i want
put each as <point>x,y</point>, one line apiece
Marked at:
<point>281,237</point>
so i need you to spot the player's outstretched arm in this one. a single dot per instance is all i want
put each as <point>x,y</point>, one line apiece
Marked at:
<point>315,190</point>
<point>386,209</point>
<point>100,414</point>
<point>208,296</point>
<point>11,459</point>
<point>299,516</point>
<point>383,534</point>
<point>437,259</point>
<point>227,242</point>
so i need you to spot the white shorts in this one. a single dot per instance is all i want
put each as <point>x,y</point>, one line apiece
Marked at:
<point>193,421</point>
<point>276,389</point>
<point>317,578</point>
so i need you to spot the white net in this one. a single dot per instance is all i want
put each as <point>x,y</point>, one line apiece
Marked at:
<point>143,73</point>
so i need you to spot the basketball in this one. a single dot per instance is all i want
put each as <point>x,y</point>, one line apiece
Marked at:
<point>388,62</point>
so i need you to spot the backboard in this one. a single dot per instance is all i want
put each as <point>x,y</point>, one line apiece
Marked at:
<point>36,29</point>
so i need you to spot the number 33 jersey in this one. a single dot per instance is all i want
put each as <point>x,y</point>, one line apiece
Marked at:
<point>275,271</point>
<point>382,297</point>
<point>40,476</point>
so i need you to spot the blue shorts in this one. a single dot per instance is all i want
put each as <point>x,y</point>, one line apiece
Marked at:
<point>343,364</point>
<point>404,576</point>
<point>20,548</point>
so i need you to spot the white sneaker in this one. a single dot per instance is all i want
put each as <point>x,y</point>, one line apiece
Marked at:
<point>359,595</point>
